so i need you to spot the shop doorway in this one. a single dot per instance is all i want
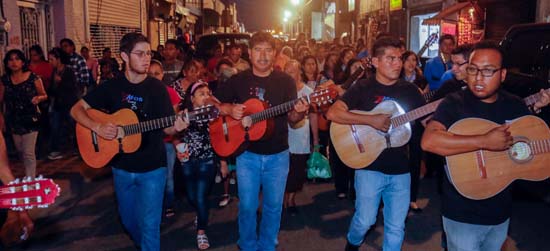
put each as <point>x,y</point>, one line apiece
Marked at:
<point>420,33</point>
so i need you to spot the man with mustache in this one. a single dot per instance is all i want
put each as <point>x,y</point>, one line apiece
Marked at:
<point>388,177</point>
<point>265,162</point>
<point>477,224</point>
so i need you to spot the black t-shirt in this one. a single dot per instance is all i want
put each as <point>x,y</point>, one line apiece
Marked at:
<point>460,105</point>
<point>149,100</point>
<point>365,95</point>
<point>449,86</point>
<point>275,89</point>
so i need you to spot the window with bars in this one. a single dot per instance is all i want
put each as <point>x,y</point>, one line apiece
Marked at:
<point>30,28</point>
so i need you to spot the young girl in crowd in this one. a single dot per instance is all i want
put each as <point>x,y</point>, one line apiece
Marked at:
<point>197,160</point>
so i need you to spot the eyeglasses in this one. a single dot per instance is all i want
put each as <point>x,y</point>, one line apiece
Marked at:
<point>472,70</point>
<point>142,54</point>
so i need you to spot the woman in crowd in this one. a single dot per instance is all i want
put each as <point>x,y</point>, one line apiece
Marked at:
<point>412,73</point>
<point>299,142</point>
<point>330,65</point>
<point>22,92</point>
<point>156,71</point>
<point>190,73</point>
<point>311,74</point>
<point>345,56</point>
<point>64,93</point>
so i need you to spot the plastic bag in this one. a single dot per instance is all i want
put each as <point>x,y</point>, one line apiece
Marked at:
<point>318,165</point>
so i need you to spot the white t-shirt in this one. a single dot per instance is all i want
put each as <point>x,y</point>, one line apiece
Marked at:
<point>298,137</point>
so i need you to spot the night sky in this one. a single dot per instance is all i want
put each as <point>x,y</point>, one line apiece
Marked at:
<point>260,14</point>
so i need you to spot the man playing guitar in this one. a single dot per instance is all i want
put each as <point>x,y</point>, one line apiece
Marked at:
<point>139,177</point>
<point>388,177</point>
<point>477,224</point>
<point>265,162</point>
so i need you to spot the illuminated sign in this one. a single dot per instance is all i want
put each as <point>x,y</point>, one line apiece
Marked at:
<point>396,5</point>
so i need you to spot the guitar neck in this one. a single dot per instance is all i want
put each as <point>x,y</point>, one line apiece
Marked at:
<point>429,95</point>
<point>415,114</point>
<point>273,111</point>
<point>533,98</point>
<point>353,78</point>
<point>153,124</point>
<point>422,50</point>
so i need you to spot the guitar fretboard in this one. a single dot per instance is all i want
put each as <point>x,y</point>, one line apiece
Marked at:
<point>540,146</point>
<point>415,114</point>
<point>532,99</point>
<point>273,111</point>
<point>149,125</point>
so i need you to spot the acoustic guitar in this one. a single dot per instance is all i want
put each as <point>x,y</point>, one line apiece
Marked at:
<point>359,145</point>
<point>97,151</point>
<point>482,174</point>
<point>28,193</point>
<point>431,40</point>
<point>228,136</point>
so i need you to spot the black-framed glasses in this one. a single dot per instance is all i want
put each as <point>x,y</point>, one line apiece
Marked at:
<point>472,70</point>
<point>142,54</point>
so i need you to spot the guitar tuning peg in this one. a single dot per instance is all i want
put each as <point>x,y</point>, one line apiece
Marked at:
<point>16,181</point>
<point>40,177</point>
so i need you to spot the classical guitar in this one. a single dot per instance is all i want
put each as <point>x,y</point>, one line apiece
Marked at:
<point>482,174</point>
<point>359,145</point>
<point>28,193</point>
<point>228,136</point>
<point>322,121</point>
<point>97,151</point>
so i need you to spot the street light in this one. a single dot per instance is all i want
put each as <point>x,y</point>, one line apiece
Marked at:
<point>295,2</point>
<point>287,14</point>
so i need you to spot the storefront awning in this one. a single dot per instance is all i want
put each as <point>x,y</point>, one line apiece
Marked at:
<point>436,20</point>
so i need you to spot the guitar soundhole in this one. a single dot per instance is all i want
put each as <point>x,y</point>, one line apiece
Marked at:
<point>520,151</point>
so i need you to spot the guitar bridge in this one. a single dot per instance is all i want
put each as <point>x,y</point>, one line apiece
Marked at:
<point>356,138</point>
<point>388,140</point>
<point>481,164</point>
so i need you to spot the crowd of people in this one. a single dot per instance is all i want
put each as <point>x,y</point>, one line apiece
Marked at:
<point>156,84</point>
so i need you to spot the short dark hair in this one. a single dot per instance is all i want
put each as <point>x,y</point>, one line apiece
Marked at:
<point>490,45</point>
<point>67,40</point>
<point>383,43</point>
<point>58,53</point>
<point>172,41</point>
<point>19,55</point>
<point>465,50</point>
<point>446,37</point>
<point>129,41</point>
<point>38,50</point>
<point>262,37</point>
<point>106,49</point>
<point>84,48</point>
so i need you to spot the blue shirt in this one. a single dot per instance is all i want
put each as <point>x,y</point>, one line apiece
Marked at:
<point>446,76</point>
<point>434,70</point>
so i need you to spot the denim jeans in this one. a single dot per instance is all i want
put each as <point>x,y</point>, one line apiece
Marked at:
<point>471,237</point>
<point>394,190</point>
<point>199,177</point>
<point>26,145</point>
<point>139,198</point>
<point>270,173</point>
<point>170,161</point>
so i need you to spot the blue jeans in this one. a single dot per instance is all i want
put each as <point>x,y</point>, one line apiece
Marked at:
<point>170,161</point>
<point>139,198</point>
<point>471,237</point>
<point>395,193</point>
<point>270,173</point>
<point>199,177</point>
<point>58,131</point>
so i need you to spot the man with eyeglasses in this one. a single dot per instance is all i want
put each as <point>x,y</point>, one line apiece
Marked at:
<point>477,224</point>
<point>388,177</point>
<point>139,177</point>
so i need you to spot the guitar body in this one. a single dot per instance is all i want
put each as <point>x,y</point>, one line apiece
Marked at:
<point>482,174</point>
<point>99,155</point>
<point>227,135</point>
<point>359,145</point>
